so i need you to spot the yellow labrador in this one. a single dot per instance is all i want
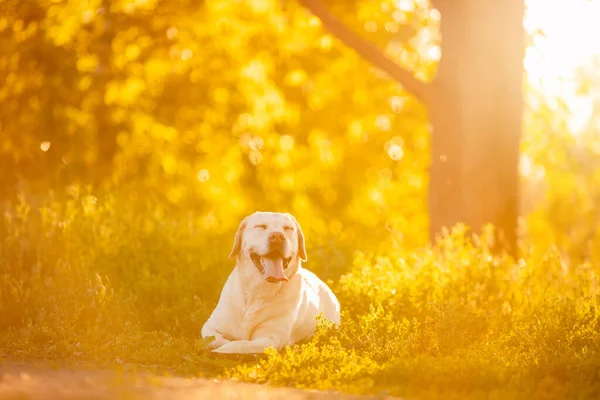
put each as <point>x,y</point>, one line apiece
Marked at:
<point>269,300</point>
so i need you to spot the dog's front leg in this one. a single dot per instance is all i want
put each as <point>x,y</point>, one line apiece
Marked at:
<point>273,335</point>
<point>218,342</point>
<point>209,330</point>
<point>257,345</point>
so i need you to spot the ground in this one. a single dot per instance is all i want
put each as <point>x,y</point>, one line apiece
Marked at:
<point>41,380</point>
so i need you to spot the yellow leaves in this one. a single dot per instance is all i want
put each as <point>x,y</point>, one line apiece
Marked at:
<point>125,93</point>
<point>528,169</point>
<point>264,97</point>
<point>7,146</point>
<point>393,148</point>
<point>18,25</point>
<point>220,95</point>
<point>255,157</point>
<point>330,195</point>
<point>383,122</point>
<point>336,226</point>
<point>434,53</point>
<point>268,108</point>
<point>361,97</point>
<point>163,133</point>
<point>176,193</point>
<point>256,143</point>
<point>80,118</point>
<point>262,6</point>
<point>397,103</point>
<point>434,15</point>
<point>169,164</point>
<point>356,132</point>
<point>231,173</point>
<point>12,81</point>
<point>90,156</point>
<point>89,204</point>
<point>296,77</point>
<point>155,71</point>
<point>209,221</point>
<point>132,52</point>
<point>87,63</point>
<point>371,26</point>
<point>301,203</point>
<point>172,32</point>
<point>323,149</point>
<point>194,106</point>
<point>395,151</point>
<point>326,42</point>
<point>84,83</point>
<point>64,20</point>
<point>186,54</point>
<point>406,6</point>
<point>283,160</point>
<point>133,6</point>
<point>87,16</point>
<point>287,182</point>
<point>391,27</point>
<point>22,32</point>
<point>376,196</point>
<point>203,175</point>
<point>286,142</point>
<point>255,71</point>
<point>314,21</point>
<point>316,101</point>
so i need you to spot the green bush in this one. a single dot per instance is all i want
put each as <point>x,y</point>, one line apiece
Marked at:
<point>115,282</point>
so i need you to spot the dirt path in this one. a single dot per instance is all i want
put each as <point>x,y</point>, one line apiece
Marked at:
<point>40,381</point>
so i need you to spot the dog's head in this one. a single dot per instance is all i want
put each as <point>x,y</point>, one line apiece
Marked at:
<point>272,243</point>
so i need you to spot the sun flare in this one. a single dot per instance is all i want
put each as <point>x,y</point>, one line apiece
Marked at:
<point>563,35</point>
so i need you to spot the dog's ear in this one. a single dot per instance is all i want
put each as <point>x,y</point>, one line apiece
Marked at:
<point>301,245</point>
<point>237,242</point>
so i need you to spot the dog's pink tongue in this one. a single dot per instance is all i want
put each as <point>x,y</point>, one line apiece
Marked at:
<point>274,270</point>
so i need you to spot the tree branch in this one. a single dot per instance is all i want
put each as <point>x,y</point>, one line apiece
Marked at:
<point>368,51</point>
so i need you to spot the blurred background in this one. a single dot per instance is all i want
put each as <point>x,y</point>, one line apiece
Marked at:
<point>136,134</point>
<point>225,107</point>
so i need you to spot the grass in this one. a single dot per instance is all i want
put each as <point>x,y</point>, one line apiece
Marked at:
<point>111,283</point>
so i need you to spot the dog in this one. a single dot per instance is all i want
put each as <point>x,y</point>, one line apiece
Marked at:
<point>269,299</point>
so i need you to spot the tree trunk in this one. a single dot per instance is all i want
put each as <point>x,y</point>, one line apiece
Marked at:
<point>476,114</point>
<point>475,106</point>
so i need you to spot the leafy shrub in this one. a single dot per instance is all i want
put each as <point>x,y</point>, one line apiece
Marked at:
<point>111,282</point>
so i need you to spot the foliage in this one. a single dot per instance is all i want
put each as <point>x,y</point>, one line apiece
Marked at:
<point>135,134</point>
<point>209,105</point>
<point>97,279</point>
<point>564,171</point>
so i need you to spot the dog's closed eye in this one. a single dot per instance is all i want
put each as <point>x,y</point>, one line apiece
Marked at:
<point>260,226</point>
<point>288,228</point>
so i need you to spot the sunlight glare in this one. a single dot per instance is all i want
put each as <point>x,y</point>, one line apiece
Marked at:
<point>406,5</point>
<point>568,41</point>
<point>434,53</point>
<point>203,175</point>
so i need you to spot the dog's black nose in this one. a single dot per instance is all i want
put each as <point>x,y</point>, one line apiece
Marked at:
<point>276,237</point>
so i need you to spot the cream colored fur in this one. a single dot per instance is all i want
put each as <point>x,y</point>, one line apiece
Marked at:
<point>254,314</point>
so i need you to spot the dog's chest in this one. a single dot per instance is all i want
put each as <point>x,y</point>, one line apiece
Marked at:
<point>246,319</point>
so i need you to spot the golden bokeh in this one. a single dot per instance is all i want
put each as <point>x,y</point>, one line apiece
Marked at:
<point>136,134</point>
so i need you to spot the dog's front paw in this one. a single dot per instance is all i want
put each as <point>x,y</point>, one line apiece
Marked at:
<point>218,342</point>
<point>228,348</point>
<point>239,347</point>
<point>244,347</point>
<point>210,342</point>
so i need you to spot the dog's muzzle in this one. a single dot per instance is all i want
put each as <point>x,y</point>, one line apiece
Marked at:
<point>272,265</point>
